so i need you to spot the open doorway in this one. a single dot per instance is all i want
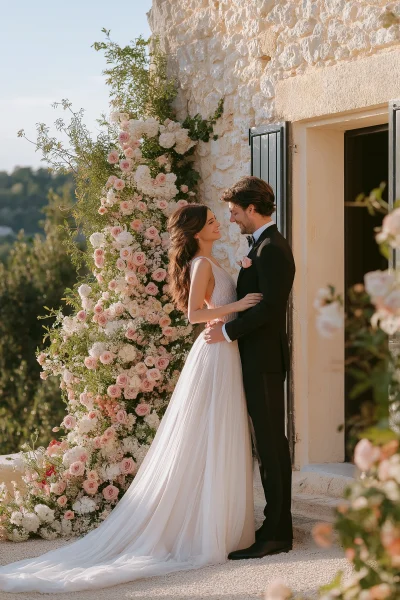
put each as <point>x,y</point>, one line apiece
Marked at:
<point>366,166</point>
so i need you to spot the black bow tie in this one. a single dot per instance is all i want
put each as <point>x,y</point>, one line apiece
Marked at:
<point>251,240</point>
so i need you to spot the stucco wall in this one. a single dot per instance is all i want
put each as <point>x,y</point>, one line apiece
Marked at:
<point>244,50</point>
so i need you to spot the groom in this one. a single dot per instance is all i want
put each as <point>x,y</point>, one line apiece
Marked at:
<point>264,351</point>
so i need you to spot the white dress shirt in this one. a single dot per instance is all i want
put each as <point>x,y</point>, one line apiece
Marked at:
<point>256,235</point>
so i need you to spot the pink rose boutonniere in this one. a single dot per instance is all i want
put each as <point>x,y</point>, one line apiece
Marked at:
<point>246,262</point>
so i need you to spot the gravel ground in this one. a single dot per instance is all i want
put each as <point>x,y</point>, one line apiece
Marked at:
<point>304,569</point>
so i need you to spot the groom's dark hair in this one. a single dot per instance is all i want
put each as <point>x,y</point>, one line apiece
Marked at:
<point>251,190</point>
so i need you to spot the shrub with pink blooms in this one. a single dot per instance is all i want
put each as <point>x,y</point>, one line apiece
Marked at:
<point>118,357</point>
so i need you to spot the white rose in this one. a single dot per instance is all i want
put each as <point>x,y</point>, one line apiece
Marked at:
<point>166,140</point>
<point>97,239</point>
<point>97,349</point>
<point>31,522</point>
<point>330,319</point>
<point>127,353</point>
<point>378,283</point>
<point>365,454</point>
<point>124,238</point>
<point>150,127</point>
<point>16,518</point>
<point>84,290</point>
<point>152,420</point>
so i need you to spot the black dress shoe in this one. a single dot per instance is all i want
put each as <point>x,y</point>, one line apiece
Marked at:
<point>260,549</point>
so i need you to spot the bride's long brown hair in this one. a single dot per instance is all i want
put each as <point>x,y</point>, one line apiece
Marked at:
<point>183,225</point>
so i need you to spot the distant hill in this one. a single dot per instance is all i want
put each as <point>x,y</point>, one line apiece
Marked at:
<point>23,193</point>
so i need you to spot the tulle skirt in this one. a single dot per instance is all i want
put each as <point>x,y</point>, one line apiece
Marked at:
<point>191,502</point>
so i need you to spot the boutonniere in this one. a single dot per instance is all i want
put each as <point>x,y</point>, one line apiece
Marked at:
<point>246,262</point>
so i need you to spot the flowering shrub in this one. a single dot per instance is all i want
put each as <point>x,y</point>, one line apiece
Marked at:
<point>120,354</point>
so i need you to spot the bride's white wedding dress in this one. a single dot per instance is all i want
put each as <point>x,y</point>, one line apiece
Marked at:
<point>191,502</point>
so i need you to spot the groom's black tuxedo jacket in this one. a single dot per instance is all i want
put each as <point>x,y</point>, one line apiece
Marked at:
<point>261,330</point>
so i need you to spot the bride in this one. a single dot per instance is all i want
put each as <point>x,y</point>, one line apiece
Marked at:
<point>191,502</point>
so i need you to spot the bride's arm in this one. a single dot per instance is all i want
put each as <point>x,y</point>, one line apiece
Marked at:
<point>202,274</point>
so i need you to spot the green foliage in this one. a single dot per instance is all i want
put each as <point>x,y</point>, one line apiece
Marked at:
<point>34,274</point>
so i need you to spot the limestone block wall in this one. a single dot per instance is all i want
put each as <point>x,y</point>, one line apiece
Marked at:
<point>240,50</point>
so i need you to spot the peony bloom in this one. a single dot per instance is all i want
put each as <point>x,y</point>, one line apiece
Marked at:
<point>365,454</point>
<point>142,409</point>
<point>114,391</point>
<point>110,492</point>
<point>97,239</point>
<point>113,157</point>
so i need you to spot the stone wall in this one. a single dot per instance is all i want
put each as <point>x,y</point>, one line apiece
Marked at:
<point>240,50</point>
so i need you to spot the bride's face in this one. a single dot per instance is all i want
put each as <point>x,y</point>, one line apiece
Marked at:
<point>210,231</point>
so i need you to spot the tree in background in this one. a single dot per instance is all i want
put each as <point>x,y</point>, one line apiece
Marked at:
<point>34,275</point>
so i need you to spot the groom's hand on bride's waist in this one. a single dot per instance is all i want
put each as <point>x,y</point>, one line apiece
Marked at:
<point>213,333</point>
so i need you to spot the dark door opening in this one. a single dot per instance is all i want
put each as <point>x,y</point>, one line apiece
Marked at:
<point>366,166</point>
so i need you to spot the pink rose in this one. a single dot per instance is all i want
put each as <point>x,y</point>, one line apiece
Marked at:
<point>160,179</point>
<point>159,274</point>
<point>98,252</point>
<point>120,264</point>
<point>102,319</point>
<point>130,393</point>
<point>106,358</point>
<point>92,475</point>
<point>143,269</point>
<point>142,410</point>
<point>153,375</point>
<point>122,416</point>
<point>99,262</point>
<point>151,289</point>
<point>147,386</point>
<point>113,157</point>
<point>137,225</point>
<point>90,486</point>
<point>162,204</point>
<point>127,466</point>
<point>162,363</point>
<point>125,164</point>
<point>139,258</point>
<point>130,278</point>
<point>77,468</point>
<point>129,153</point>
<point>181,203</point>
<point>123,137</point>
<point>149,361</point>
<point>184,189</point>
<point>114,391</point>
<point>62,500</point>
<point>122,380</point>
<point>246,262</point>
<point>164,322</point>
<point>69,422</point>
<point>130,333</point>
<point>140,368</point>
<point>151,233</point>
<point>110,181</point>
<point>97,309</point>
<point>110,492</point>
<point>365,454</point>
<point>69,514</point>
<point>115,231</point>
<point>119,184</point>
<point>81,315</point>
<point>102,210</point>
<point>142,206</point>
<point>41,358</point>
<point>168,331</point>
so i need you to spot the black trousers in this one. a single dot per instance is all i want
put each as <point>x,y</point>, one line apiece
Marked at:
<point>266,407</point>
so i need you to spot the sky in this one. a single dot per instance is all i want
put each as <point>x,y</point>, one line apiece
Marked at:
<point>46,55</point>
